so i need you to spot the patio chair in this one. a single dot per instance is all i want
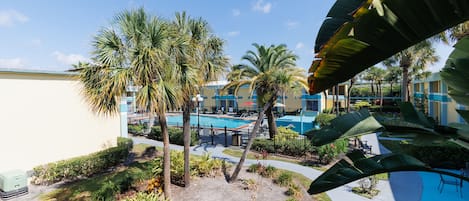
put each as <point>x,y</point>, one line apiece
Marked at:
<point>450,181</point>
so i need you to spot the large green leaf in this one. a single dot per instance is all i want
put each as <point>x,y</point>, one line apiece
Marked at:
<point>386,28</point>
<point>356,166</point>
<point>410,114</point>
<point>346,126</point>
<point>464,114</point>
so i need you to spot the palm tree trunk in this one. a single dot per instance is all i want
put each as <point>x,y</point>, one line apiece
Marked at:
<point>337,99</point>
<point>166,156</point>
<point>151,120</point>
<point>349,92</point>
<point>405,63</point>
<point>186,123</point>
<point>325,99</point>
<point>271,122</point>
<point>381,95</point>
<point>234,176</point>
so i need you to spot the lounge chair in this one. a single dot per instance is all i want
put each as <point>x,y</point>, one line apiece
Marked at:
<point>450,181</point>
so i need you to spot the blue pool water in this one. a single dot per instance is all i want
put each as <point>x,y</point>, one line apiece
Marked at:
<point>430,190</point>
<point>206,121</point>
<point>295,121</point>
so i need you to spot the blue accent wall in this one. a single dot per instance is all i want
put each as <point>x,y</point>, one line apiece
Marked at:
<point>123,118</point>
<point>430,108</point>
<point>444,114</point>
<point>438,97</point>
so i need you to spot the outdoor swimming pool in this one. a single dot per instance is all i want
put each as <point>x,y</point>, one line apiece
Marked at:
<point>430,190</point>
<point>207,121</point>
<point>295,121</point>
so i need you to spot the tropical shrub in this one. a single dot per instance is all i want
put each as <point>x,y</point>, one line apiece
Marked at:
<point>269,172</point>
<point>142,196</point>
<point>293,147</point>
<point>284,179</point>
<point>254,168</point>
<point>83,166</point>
<point>176,135</point>
<point>284,133</point>
<point>106,192</point>
<point>205,165</point>
<point>329,152</point>
<point>323,119</point>
<point>136,129</point>
<point>294,190</point>
<point>361,104</point>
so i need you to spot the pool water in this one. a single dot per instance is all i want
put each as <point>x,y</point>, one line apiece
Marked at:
<point>207,121</point>
<point>295,121</point>
<point>430,190</point>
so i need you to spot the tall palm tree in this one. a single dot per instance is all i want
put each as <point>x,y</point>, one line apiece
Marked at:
<point>199,58</point>
<point>392,76</point>
<point>133,52</point>
<point>260,74</point>
<point>414,59</point>
<point>271,71</point>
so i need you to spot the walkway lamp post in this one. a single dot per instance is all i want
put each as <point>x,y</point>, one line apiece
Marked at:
<point>197,99</point>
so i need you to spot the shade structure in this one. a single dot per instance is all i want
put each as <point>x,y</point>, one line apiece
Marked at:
<point>361,33</point>
<point>248,103</point>
<point>279,105</point>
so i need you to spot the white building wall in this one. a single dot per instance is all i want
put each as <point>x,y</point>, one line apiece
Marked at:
<point>44,118</point>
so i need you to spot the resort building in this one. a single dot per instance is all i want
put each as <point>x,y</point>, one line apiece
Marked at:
<point>431,97</point>
<point>45,119</point>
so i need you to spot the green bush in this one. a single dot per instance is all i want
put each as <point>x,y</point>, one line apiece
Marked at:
<point>136,129</point>
<point>293,147</point>
<point>269,172</point>
<point>106,192</point>
<point>205,165</point>
<point>176,135</point>
<point>141,196</point>
<point>284,179</point>
<point>324,119</point>
<point>294,190</point>
<point>329,152</point>
<point>254,168</point>
<point>284,133</point>
<point>82,166</point>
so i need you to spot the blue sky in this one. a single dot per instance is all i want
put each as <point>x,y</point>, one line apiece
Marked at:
<point>53,34</point>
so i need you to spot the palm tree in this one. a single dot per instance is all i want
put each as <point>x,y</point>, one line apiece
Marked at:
<point>392,76</point>
<point>260,75</point>
<point>271,71</point>
<point>199,58</point>
<point>133,52</point>
<point>414,59</point>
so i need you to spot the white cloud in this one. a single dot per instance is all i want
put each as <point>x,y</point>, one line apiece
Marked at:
<point>291,24</point>
<point>12,63</point>
<point>233,33</point>
<point>10,17</point>
<point>68,59</point>
<point>36,42</point>
<point>299,45</point>
<point>261,6</point>
<point>236,12</point>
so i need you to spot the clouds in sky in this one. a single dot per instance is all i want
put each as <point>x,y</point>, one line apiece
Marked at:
<point>236,12</point>
<point>292,24</point>
<point>68,59</point>
<point>262,6</point>
<point>12,63</point>
<point>233,33</point>
<point>10,17</point>
<point>299,45</point>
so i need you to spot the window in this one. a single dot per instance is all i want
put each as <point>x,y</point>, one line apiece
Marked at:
<point>312,105</point>
<point>435,87</point>
<point>417,87</point>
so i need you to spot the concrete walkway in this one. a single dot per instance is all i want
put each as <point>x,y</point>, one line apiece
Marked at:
<point>338,194</point>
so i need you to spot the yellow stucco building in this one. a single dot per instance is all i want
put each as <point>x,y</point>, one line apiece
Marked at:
<point>44,118</point>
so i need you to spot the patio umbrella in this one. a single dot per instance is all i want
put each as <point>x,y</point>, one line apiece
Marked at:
<point>248,103</point>
<point>279,105</point>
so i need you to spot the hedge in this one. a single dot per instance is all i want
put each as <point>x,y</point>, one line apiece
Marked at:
<point>176,135</point>
<point>295,147</point>
<point>83,166</point>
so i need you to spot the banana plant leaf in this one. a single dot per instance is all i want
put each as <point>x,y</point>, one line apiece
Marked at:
<point>378,30</point>
<point>346,126</point>
<point>410,114</point>
<point>356,166</point>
